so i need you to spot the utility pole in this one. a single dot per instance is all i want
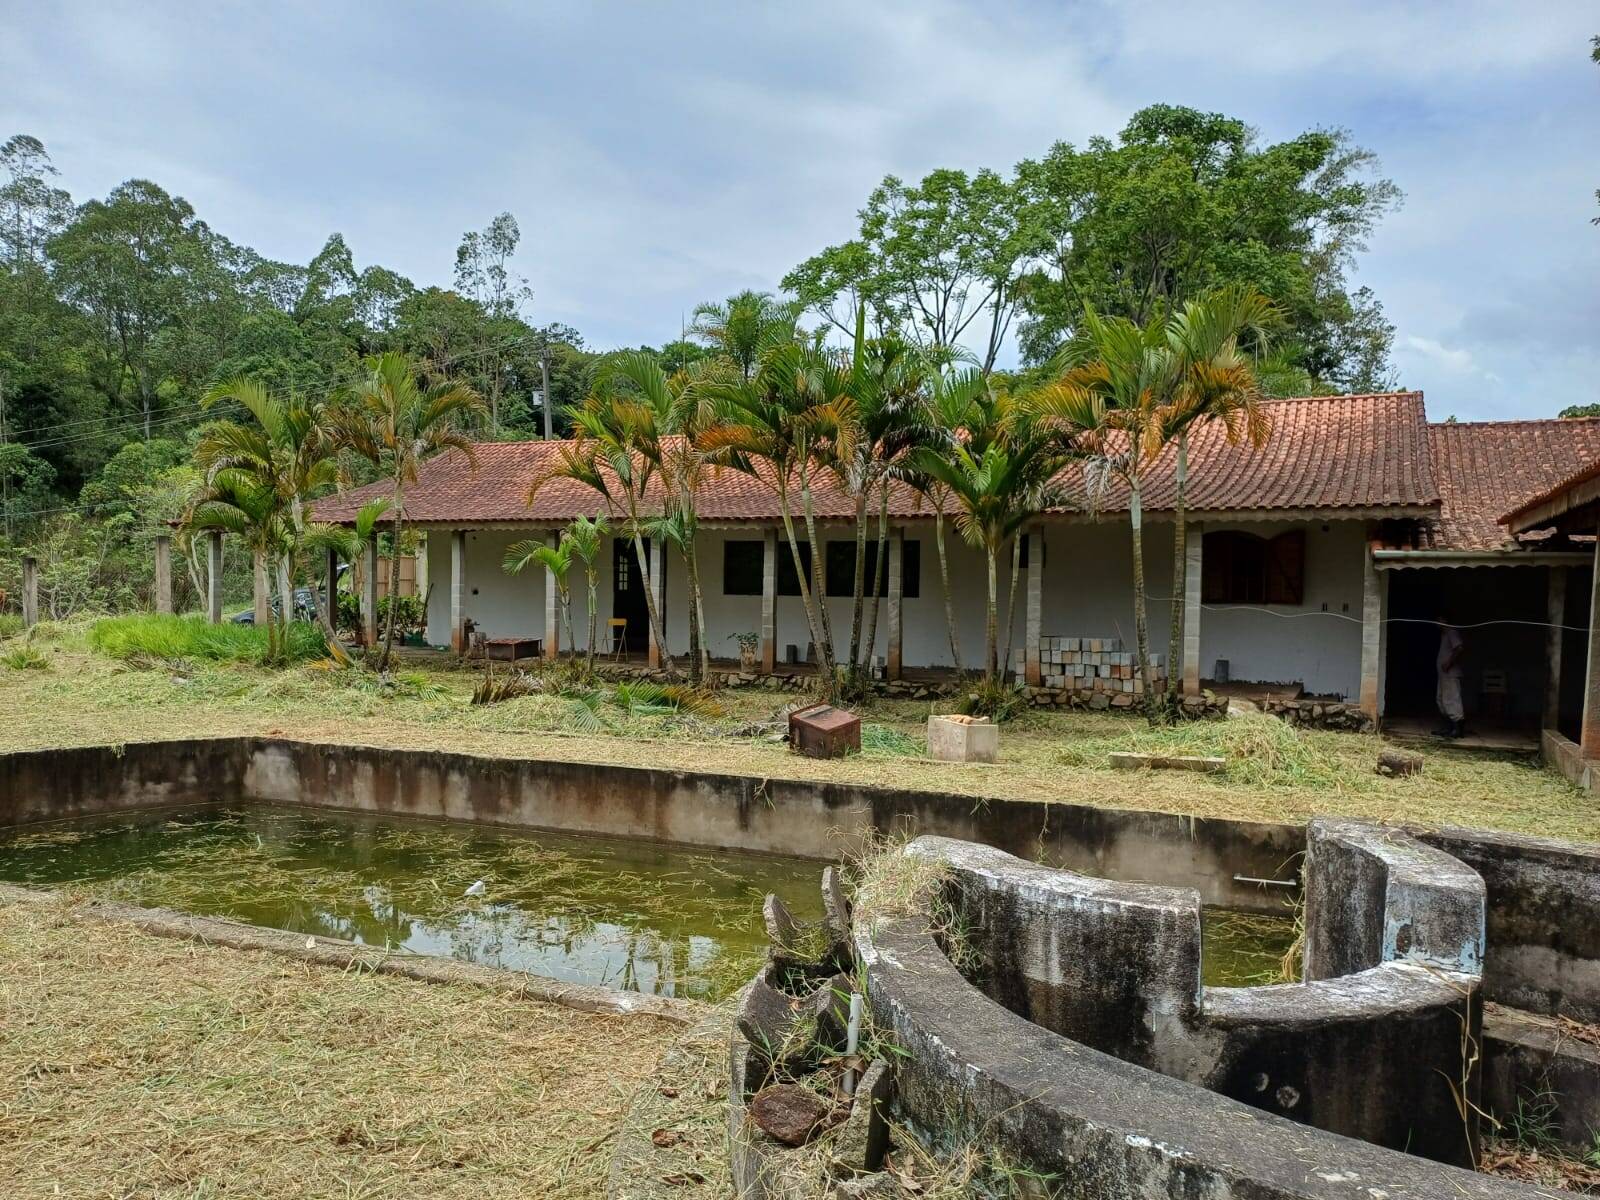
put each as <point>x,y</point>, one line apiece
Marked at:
<point>544,383</point>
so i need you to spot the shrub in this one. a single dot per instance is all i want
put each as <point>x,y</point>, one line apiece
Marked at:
<point>25,658</point>
<point>410,615</point>
<point>170,637</point>
<point>10,624</point>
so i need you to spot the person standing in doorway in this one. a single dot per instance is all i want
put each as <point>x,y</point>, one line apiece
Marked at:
<point>1452,648</point>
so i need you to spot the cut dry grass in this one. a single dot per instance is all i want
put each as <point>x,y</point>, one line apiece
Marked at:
<point>1276,773</point>
<point>132,1065</point>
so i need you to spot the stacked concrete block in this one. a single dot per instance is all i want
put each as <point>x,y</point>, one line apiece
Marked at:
<point>1080,664</point>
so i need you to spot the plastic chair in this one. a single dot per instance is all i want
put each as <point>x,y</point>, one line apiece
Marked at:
<point>619,637</point>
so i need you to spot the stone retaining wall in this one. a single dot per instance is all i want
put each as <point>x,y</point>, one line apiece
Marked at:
<point>1312,713</point>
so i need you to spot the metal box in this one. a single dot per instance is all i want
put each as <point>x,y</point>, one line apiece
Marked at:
<point>823,731</point>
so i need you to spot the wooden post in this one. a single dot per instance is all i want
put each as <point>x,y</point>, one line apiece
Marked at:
<point>769,601</point>
<point>369,594</point>
<point>894,654</point>
<point>1193,572</point>
<point>1555,615</point>
<point>331,568</point>
<point>30,591</point>
<point>458,591</point>
<point>164,573</point>
<point>1033,635</point>
<point>263,590</point>
<point>657,581</point>
<point>1371,633</point>
<point>552,606</point>
<point>1589,735</point>
<point>214,577</point>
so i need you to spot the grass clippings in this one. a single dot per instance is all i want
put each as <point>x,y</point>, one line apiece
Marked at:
<point>135,1065</point>
<point>1275,772</point>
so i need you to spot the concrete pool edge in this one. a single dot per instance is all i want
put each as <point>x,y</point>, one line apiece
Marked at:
<point>344,955</point>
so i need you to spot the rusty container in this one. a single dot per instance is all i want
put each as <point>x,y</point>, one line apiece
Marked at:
<point>823,731</point>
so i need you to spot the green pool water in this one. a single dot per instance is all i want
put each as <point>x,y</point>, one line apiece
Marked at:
<point>1245,949</point>
<point>627,914</point>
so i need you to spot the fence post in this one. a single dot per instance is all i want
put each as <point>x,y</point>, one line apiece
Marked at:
<point>164,573</point>
<point>30,591</point>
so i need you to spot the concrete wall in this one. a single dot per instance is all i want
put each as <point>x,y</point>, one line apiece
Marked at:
<point>1088,584</point>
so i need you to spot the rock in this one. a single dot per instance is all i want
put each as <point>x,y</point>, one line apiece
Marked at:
<point>789,1113</point>
<point>863,1140</point>
<point>835,907</point>
<point>868,1187</point>
<point>783,931</point>
<point>830,1005</point>
<point>767,1018</point>
<point>1399,762</point>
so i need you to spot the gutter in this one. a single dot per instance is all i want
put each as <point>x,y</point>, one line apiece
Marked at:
<point>1392,559</point>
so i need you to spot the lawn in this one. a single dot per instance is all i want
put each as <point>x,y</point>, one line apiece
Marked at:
<point>77,696</point>
<point>136,1065</point>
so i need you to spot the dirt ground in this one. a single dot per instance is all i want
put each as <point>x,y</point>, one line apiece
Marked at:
<point>1274,773</point>
<point>133,1065</point>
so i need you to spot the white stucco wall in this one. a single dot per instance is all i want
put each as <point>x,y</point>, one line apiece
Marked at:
<point>1087,593</point>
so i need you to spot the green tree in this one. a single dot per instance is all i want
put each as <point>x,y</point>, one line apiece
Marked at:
<point>238,502</point>
<point>396,421</point>
<point>745,326</point>
<point>557,560</point>
<point>937,262</point>
<point>1183,202</point>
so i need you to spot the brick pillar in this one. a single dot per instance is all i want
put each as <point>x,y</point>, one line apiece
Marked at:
<point>552,606</point>
<point>1555,614</point>
<point>769,601</point>
<point>894,654</point>
<point>1371,634</point>
<point>1194,567</point>
<point>30,591</point>
<point>458,591</point>
<point>163,573</point>
<point>262,591</point>
<point>214,577</point>
<point>657,583</point>
<point>1033,668</point>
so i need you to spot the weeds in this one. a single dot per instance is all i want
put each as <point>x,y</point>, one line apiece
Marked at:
<point>170,637</point>
<point>25,658</point>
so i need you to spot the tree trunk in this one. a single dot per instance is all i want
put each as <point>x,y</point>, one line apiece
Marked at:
<point>650,592</point>
<point>594,616</point>
<point>878,577</point>
<point>800,571</point>
<point>818,583</point>
<point>394,581</point>
<point>858,588</point>
<point>1011,603</point>
<point>697,622</point>
<point>1141,630</point>
<point>1180,575</point>
<point>989,630</point>
<point>944,583</point>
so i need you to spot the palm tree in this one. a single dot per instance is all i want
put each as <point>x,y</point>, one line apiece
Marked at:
<point>1216,382</point>
<point>586,537</point>
<point>1108,406</point>
<point>397,422</point>
<point>1001,476</point>
<point>349,544</point>
<point>239,502</point>
<point>291,447</point>
<point>746,326</point>
<point>613,451</point>
<point>779,426</point>
<point>556,559</point>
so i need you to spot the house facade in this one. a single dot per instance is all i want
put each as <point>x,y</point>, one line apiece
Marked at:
<point>1317,564</point>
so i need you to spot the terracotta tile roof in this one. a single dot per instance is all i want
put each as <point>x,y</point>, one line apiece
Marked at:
<point>1487,468</point>
<point>1335,452</point>
<point>1584,475</point>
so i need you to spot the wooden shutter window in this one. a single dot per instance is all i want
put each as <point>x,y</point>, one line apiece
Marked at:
<point>1286,568</point>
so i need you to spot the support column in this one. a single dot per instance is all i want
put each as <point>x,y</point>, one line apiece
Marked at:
<point>769,601</point>
<point>1555,615</point>
<point>369,594</point>
<point>657,583</point>
<point>164,573</point>
<point>1371,634</point>
<point>1193,573</point>
<point>1033,639</point>
<point>552,606</point>
<point>263,590</point>
<point>214,577</point>
<point>894,652</point>
<point>331,583</point>
<point>30,591</point>
<point>1589,735</point>
<point>458,591</point>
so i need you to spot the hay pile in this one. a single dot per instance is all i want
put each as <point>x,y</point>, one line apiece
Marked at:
<point>132,1065</point>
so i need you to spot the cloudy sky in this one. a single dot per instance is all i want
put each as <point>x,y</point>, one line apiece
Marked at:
<point>659,154</point>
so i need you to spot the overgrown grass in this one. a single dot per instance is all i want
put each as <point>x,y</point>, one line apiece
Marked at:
<point>10,624</point>
<point>134,1065</point>
<point>159,636</point>
<point>24,657</point>
<point>1260,749</point>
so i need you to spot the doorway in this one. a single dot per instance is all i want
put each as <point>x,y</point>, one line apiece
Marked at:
<point>627,594</point>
